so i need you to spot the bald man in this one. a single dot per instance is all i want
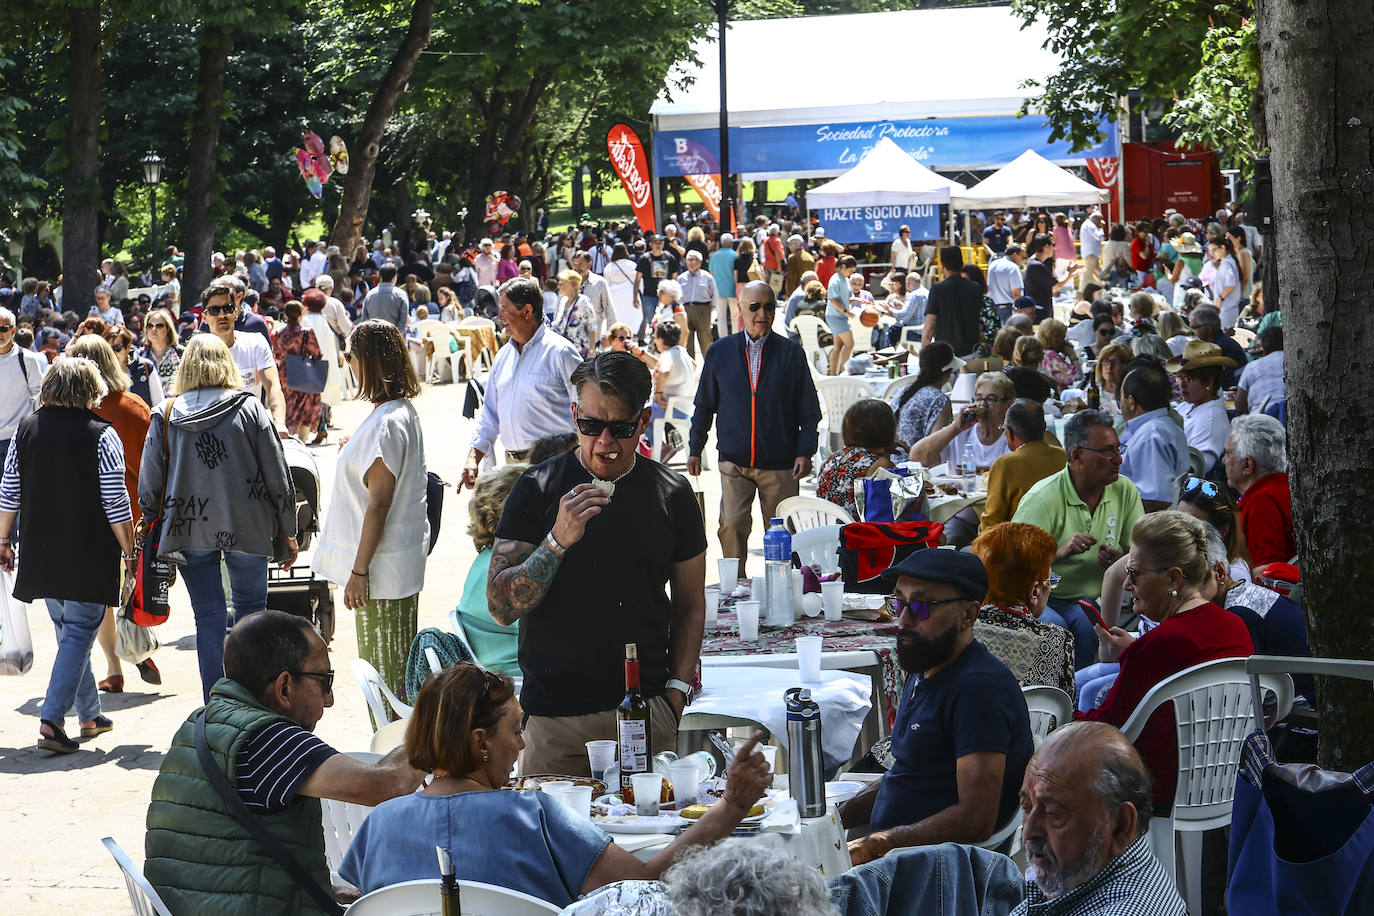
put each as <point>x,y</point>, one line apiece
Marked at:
<point>1086,805</point>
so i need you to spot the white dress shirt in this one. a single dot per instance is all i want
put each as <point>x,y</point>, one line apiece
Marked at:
<point>1262,380</point>
<point>529,393</point>
<point>1206,426</point>
<point>1090,239</point>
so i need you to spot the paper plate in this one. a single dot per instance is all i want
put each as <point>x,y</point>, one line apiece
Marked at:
<point>635,823</point>
<point>840,792</point>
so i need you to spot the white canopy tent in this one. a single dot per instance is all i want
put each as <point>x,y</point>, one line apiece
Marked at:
<point>1029,180</point>
<point>887,175</point>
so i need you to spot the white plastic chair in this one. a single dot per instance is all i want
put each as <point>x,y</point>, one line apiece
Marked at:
<point>484,356</point>
<point>377,694</point>
<point>1213,717</point>
<point>1049,708</point>
<point>896,386</point>
<point>799,513</point>
<point>144,898</point>
<point>389,737</point>
<point>341,820</point>
<point>818,546</point>
<point>421,898</point>
<point>808,328</point>
<point>838,394</point>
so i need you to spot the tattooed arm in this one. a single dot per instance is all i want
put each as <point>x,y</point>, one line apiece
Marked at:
<point>521,572</point>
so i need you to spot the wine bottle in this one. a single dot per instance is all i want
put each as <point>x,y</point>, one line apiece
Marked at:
<point>632,721</point>
<point>449,895</point>
<point>1094,393</point>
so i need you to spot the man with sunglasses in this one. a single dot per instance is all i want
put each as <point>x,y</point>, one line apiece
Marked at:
<point>253,357</point>
<point>1089,509</point>
<point>595,549</point>
<point>756,386</point>
<point>962,738</point>
<point>259,730</point>
<point>21,377</point>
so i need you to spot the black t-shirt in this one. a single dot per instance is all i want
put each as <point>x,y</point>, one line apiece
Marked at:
<point>657,267</point>
<point>1039,285</point>
<point>955,303</point>
<point>610,589</point>
<point>973,705</point>
<point>997,238</point>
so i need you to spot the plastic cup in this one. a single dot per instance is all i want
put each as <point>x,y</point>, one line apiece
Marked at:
<point>579,799</point>
<point>685,776</point>
<point>559,793</point>
<point>770,754</point>
<point>729,574</point>
<point>554,786</point>
<point>757,587</point>
<point>797,583</point>
<point>832,597</point>
<point>648,789</point>
<point>809,658</point>
<point>748,613</point>
<point>601,756</point>
<point>712,604</point>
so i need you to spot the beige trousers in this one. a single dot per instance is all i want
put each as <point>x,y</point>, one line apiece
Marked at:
<point>558,744</point>
<point>737,488</point>
<point>698,329</point>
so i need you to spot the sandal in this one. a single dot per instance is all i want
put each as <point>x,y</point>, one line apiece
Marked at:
<point>102,724</point>
<point>57,742</point>
<point>148,671</point>
<point>112,684</point>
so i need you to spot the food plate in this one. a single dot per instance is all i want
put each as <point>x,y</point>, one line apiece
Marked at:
<point>636,823</point>
<point>839,792</point>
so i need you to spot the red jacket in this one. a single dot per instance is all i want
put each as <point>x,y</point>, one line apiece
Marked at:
<point>1266,517</point>
<point>1205,633</point>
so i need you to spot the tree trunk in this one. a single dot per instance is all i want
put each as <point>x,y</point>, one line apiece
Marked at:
<point>81,179</point>
<point>1314,56</point>
<point>367,144</point>
<point>204,160</point>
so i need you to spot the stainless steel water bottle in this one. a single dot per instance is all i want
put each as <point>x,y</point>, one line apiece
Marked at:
<point>805,765</point>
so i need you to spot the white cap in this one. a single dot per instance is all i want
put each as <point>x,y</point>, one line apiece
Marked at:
<point>954,363</point>
<point>820,232</point>
<point>484,243</point>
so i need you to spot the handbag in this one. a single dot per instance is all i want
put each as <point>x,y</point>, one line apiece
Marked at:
<point>306,374</point>
<point>133,643</point>
<point>868,549</point>
<point>16,644</point>
<point>150,603</point>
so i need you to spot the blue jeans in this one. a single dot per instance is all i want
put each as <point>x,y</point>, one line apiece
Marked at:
<point>247,582</point>
<point>1066,613</point>
<point>71,681</point>
<point>1092,683</point>
<point>648,305</point>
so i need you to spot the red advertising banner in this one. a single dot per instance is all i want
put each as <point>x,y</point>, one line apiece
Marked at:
<point>630,163</point>
<point>708,189</point>
<point>1106,172</point>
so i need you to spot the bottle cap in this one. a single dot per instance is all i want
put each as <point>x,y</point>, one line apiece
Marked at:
<point>775,521</point>
<point>804,693</point>
<point>631,651</point>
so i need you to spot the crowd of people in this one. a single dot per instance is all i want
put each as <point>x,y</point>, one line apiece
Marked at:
<point>1151,508</point>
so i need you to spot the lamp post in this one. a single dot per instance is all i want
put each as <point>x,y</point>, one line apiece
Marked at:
<point>152,177</point>
<point>727,202</point>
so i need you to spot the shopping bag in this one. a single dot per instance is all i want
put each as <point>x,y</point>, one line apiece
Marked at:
<point>306,374</point>
<point>891,497</point>
<point>16,645</point>
<point>133,643</point>
<point>868,549</point>
<point>149,605</point>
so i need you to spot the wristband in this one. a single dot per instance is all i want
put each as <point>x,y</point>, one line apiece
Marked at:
<point>361,575</point>
<point>557,548</point>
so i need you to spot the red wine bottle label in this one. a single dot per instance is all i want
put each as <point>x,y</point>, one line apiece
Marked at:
<point>634,747</point>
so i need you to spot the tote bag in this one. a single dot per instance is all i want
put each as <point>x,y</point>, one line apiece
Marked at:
<point>305,374</point>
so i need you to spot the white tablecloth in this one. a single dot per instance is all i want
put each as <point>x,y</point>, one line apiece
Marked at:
<point>756,693</point>
<point>820,844</point>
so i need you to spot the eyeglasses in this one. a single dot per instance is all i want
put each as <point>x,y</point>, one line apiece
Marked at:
<point>119,347</point>
<point>988,401</point>
<point>620,429</point>
<point>1107,451</point>
<point>326,678</point>
<point>1132,574</point>
<point>152,325</point>
<point>6,328</point>
<point>919,610</point>
<point>623,339</point>
<point>1209,489</point>
<point>213,310</point>
<point>766,306</point>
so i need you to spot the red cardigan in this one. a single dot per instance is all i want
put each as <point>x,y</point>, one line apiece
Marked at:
<point>1266,517</point>
<point>1205,633</point>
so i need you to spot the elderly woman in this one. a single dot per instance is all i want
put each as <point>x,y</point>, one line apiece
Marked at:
<point>674,377</point>
<point>465,730</point>
<point>144,380</point>
<point>1018,559</point>
<point>670,306</point>
<point>128,414</point>
<point>1111,363</point>
<point>314,321</point>
<point>1170,581</point>
<point>1060,362</point>
<point>1205,421</point>
<point>979,425</point>
<point>574,317</point>
<point>229,498</point>
<point>870,440</point>
<point>160,347</point>
<point>65,471</point>
<point>375,535</point>
<point>743,877</point>
<point>494,645</point>
<point>923,405</point>
<point>1004,344</point>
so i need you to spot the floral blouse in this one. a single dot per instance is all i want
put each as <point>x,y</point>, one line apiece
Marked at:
<point>989,323</point>
<point>576,321</point>
<point>916,418</point>
<point>836,481</point>
<point>1060,368</point>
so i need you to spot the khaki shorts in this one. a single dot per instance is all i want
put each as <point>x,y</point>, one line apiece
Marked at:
<point>557,744</point>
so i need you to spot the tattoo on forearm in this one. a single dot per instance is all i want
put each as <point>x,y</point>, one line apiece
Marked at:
<point>519,578</point>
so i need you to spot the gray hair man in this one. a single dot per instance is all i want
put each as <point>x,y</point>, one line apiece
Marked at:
<point>1256,463</point>
<point>698,298</point>
<point>1206,324</point>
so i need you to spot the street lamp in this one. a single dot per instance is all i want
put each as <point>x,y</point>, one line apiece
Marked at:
<point>152,177</point>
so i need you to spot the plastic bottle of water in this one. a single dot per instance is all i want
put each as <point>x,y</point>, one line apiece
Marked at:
<point>777,555</point>
<point>970,469</point>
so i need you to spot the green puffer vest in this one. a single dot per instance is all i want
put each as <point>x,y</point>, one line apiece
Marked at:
<point>198,856</point>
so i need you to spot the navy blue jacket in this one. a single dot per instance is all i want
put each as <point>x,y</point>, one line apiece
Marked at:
<point>769,428</point>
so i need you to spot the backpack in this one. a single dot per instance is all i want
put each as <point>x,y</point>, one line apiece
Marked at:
<point>465,285</point>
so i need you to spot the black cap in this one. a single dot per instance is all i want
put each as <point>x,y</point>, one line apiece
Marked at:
<point>1023,302</point>
<point>962,570</point>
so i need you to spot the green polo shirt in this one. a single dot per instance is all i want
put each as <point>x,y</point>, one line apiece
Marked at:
<point>1054,505</point>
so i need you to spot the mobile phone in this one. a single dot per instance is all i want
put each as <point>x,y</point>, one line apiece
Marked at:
<point>1092,612</point>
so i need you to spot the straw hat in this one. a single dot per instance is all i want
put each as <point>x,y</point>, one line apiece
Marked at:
<point>1187,244</point>
<point>1199,354</point>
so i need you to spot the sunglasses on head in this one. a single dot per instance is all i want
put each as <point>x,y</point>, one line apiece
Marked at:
<point>620,429</point>
<point>919,610</point>
<point>766,306</point>
<point>220,309</point>
<point>1209,489</point>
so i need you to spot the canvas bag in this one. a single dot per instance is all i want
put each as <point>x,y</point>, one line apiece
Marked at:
<point>868,549</point>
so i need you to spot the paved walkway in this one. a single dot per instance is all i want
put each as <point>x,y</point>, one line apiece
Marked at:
<point>59,807</point>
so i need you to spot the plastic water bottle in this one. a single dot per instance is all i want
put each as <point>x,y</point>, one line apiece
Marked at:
<point>777,555</point>
<point>970,469</point>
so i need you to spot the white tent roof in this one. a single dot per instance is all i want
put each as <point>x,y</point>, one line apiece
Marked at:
<point>1029,180</point>
<point>887,175</point>
<point>907,77</point>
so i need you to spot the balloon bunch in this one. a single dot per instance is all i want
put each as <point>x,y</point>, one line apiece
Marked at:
<point>316,165</point>
<point>501,206</point>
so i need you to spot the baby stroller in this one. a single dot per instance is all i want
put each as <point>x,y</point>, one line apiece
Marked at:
<point>484,303</point>
<point>298,590</point>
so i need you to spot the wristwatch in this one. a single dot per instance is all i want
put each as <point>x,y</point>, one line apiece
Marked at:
<point>683,687</point>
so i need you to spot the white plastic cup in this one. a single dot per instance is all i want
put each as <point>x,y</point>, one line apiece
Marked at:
<point>648,789</point>
<point>601,757</point>
<point>685,776</point>
<point>712,604</point>
<point>809,657</point>
<point>757,587</point>
<point>797,583</point>
<point>770,754</point>
<point>579,799</point>
<point>748,613</point>
<point>559,794</point>
<point>729,574</point>
<point>832,597</point>
<point>554,786</point>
